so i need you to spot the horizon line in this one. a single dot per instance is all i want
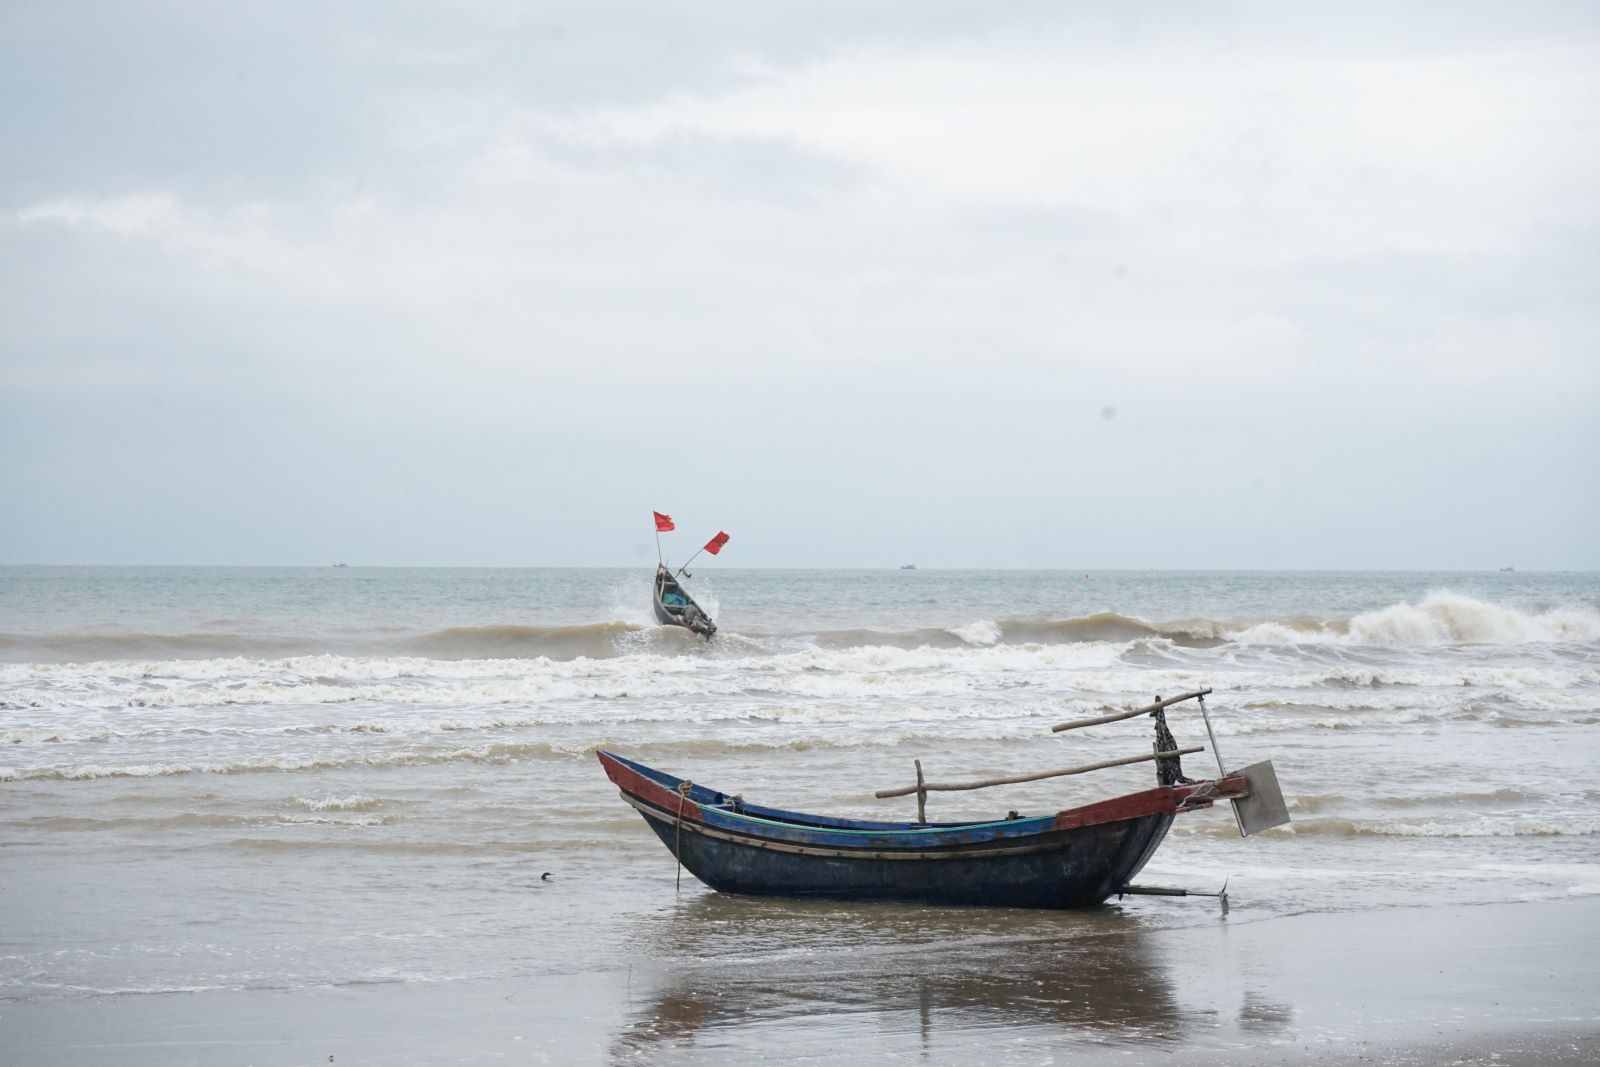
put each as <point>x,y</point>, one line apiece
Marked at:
<point>852,567</point>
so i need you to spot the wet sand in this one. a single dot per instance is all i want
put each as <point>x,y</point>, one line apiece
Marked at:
<point>1504,983</point>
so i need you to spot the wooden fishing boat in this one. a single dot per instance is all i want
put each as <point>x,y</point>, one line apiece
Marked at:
<point>675,607</point>
<point>1070,858</point>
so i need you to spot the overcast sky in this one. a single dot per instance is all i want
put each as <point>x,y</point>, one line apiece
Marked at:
<point>1155,285</point>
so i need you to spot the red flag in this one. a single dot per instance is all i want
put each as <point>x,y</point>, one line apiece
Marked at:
<point>663,522</point>
<point>714,545</point>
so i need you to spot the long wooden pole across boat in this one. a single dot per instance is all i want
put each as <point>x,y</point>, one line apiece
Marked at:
<point>884,794</point>
<point>686,563</point>
<point>1119,716</point>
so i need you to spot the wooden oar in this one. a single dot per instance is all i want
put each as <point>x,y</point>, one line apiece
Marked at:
<point>1119,716</point>
<point>929,787</point>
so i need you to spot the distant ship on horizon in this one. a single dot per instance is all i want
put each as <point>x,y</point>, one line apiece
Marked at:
<point>908,566</point>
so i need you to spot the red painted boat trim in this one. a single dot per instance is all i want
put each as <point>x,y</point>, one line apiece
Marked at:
<point>631,781</point>
<point>1162,800</point>
<point>1158,801</point>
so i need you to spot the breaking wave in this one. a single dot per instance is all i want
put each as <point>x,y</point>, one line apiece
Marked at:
<point>1448,618</point>
<point>598,640</point>
<point>94,647</point>
<point>1440,619</point>
<point>591,641</point>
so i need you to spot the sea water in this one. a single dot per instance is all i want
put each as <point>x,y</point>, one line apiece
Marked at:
<point>287,778</point>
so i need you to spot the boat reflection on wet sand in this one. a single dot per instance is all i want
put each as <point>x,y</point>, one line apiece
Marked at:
<point>1081,978</point>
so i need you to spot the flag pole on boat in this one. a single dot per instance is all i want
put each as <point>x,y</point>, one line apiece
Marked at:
<point>663,523</point>
<point>713,546</point>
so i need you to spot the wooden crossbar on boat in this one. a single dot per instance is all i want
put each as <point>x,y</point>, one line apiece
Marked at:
<point>929,787</point>
<point>1120,715</point>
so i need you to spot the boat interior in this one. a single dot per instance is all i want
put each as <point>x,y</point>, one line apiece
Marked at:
<point>736,805</point>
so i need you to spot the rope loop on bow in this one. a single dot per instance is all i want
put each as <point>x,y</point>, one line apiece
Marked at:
<point>677,835</point>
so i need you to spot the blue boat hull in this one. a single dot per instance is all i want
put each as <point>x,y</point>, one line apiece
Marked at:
<point>1097,863</point>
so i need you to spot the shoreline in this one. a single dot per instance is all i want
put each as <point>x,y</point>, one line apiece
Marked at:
<point>1502,983</point>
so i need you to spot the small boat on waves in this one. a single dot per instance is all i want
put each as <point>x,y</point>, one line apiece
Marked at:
<point>675,607</point>
<point>1071,858</point>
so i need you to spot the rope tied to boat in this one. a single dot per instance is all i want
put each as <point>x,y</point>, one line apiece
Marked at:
<point>677,836</point>
<point>1169,771</point>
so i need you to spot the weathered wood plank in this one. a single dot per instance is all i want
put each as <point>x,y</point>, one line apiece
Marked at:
<point>946,787</point>
<point>1120,715</point>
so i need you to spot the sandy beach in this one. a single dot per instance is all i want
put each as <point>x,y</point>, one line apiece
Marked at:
<point>1503,984</point>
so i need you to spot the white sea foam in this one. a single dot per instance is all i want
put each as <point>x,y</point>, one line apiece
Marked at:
<point>1441,618</point>
<point>630,599</point>
<point>352,819</point>
<point>705,594</point>
<point>359,802</point>
<point>1449,618</point>
<point>180,687</point>
<point>981,632</point>
<point>1277,633</point>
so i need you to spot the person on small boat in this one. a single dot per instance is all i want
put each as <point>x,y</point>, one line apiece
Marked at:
<point>678,608</point>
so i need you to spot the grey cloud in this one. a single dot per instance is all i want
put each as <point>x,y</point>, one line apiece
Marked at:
<point>476,283</point>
